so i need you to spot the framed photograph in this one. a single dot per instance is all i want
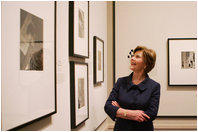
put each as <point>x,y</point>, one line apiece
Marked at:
<point>79,29</point>
<point>182,65</point>
<point>28,62</point>
<point>79,93</point>
<point>98,60</point>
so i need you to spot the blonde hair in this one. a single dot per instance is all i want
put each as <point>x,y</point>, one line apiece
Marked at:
<point>149,57</point>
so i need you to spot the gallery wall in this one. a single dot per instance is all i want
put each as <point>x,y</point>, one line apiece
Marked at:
<point>97,93</point>
<point>151,24</point>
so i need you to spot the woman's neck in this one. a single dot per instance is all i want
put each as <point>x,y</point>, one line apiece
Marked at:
<point>138,77</point>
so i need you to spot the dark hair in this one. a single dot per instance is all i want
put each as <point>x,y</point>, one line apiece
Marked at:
<point>149,57</point>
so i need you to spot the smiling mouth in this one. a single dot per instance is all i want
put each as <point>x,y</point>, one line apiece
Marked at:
<point>132,63</point>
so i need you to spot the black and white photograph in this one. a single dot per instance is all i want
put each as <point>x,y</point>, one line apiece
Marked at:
<point>79,93</point>
<point>81,96</point>
<point>31,41</point>
<point>98,60</point>
<point>79,29</point>
<point>29,55</point>
<point>81,25</point>
<point>188,60</point>
<point>182,61</point>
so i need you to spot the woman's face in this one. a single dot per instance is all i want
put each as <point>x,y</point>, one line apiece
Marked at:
<point>137,62</point>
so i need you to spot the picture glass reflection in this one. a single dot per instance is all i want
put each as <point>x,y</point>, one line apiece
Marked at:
<point>31,41</point>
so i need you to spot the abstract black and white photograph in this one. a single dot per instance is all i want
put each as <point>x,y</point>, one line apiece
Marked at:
<point>188,60</point>
<point>182,61</point>
<point>98,60</point>
<point>29,56</point>
<point>31,41</point>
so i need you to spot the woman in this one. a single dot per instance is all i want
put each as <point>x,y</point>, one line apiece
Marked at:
<point>133,102</point>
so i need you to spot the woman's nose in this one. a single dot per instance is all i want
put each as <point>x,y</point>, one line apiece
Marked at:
<point>132,58</point>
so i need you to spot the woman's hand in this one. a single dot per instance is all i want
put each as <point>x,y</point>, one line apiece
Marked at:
<point>137,115</point>
<point>114,103</point>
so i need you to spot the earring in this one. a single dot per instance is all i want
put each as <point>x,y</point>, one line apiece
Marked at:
<point>130,54</point>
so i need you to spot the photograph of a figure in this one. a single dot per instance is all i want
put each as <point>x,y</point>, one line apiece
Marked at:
<point>31,41</point>
<point>99,60</point>
<point>188,60</point>
<point>81,23</point>
<point>81,97</point>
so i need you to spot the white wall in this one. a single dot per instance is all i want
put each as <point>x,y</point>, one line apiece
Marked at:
<point>97,93</point>
<point>60,121</point>
<point>151,24</point>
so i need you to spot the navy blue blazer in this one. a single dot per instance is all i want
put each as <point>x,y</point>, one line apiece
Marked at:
<point>144,96</point>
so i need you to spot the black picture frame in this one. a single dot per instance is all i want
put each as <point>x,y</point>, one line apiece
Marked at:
<point>42,109</point>
<point>178,73</point>
<point>98,60</point>
<point>79,35</point>
<point>79,103</point>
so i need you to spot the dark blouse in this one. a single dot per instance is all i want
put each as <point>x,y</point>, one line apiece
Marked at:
<point>144,96</point>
